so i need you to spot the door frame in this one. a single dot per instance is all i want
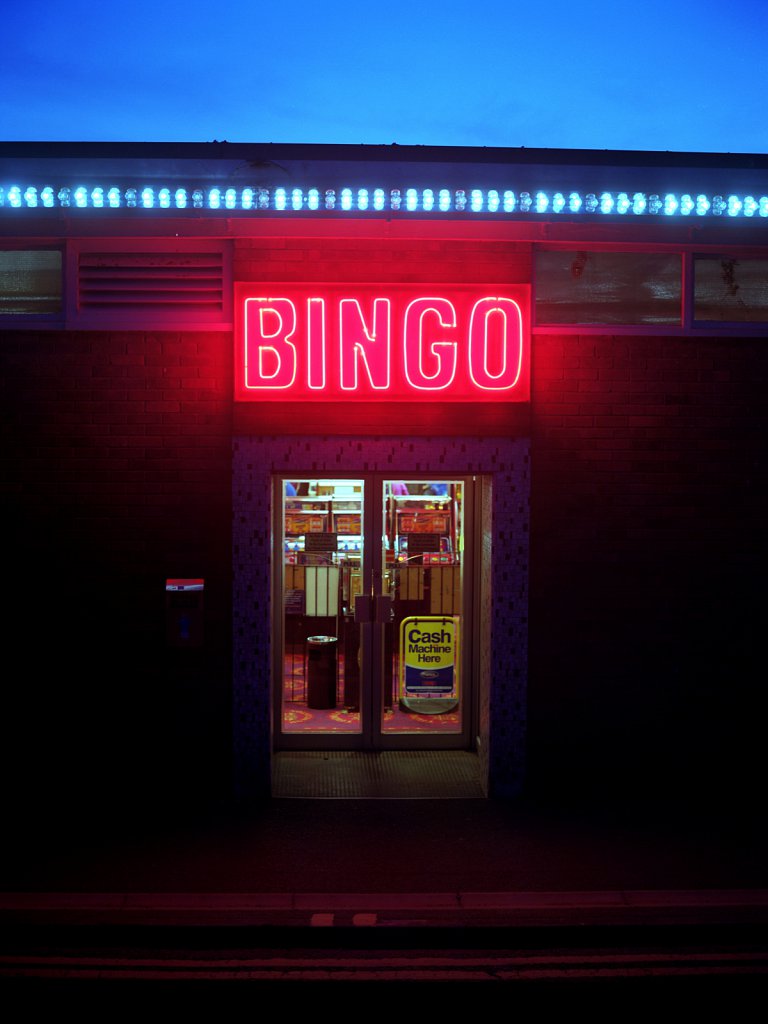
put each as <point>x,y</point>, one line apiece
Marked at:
<point>371,738</point>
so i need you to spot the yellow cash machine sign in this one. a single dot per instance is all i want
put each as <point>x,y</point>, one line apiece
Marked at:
<point>429,656</point>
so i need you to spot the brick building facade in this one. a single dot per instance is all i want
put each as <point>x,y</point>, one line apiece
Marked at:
<point>618,585</point>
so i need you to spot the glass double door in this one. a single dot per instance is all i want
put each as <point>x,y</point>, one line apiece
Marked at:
<point>372,645</point>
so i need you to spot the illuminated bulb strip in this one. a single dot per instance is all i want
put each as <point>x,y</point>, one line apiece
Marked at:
<point>411,200</point>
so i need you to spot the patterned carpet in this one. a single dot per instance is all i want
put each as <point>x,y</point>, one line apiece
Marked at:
<point>297,717</point>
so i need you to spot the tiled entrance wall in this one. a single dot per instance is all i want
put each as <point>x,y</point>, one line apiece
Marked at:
<point>504,460</point>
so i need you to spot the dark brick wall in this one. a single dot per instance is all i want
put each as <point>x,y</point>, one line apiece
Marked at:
<point>647,610</point>
<point>115,474</point>
<point>360,259</point>
<point>648,565</point>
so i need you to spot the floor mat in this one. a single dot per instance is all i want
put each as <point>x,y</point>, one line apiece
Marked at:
<point>383,775</point>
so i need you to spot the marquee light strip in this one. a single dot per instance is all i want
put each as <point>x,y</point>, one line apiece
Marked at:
<point>379,200</point>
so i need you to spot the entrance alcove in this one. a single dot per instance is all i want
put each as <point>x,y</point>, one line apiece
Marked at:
<point>495,749</point>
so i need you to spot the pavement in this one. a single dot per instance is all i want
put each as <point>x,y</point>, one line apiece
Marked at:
<point>583,901</point>
<point>315,863</point>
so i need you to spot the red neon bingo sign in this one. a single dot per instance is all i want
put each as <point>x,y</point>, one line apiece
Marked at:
<point>411,343</point>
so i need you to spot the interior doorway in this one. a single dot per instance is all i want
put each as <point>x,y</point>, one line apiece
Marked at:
<point>373,640</point>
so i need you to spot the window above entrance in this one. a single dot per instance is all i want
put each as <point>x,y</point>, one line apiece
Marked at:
<point>30,282</point>
<point>640,291</point>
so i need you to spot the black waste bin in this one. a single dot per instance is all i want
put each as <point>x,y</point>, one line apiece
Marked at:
<point>321,671</point>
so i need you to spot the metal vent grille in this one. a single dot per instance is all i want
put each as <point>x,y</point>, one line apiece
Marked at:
<point>170,281</point>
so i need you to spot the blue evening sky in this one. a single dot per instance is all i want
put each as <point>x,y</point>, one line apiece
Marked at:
<point>658,74</point>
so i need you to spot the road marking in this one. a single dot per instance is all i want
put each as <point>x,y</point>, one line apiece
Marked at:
<point>321,920</point>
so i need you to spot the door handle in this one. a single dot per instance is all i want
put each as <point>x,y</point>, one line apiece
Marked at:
<point>384,613</point>
<point>363,608</point>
